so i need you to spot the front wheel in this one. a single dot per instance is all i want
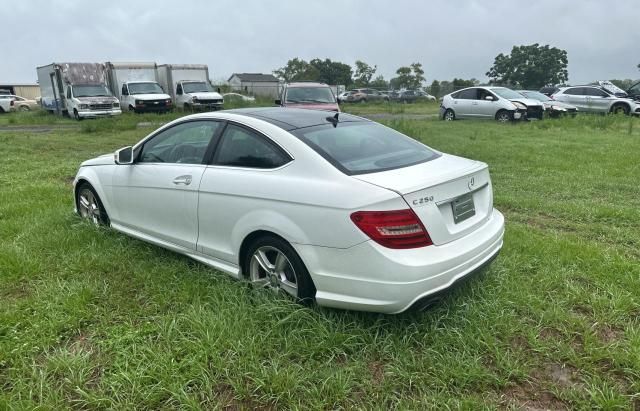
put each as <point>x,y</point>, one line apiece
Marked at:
<point>503,116</point>
<point>89,205</point>
<point>270,262</point>
<point>24,108</point>
<point>620,109</point>
<point>76,116</point>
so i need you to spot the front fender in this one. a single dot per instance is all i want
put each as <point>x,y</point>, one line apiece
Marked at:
<point>91,176</point>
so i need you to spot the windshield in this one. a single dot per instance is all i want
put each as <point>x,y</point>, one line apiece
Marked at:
<point>90,90</point>
<point>310,95</point>
<point>145,88</point>
<point>505,93</point>
<point>536,95</point>
<point>195,87</point>
<point>364,147</point>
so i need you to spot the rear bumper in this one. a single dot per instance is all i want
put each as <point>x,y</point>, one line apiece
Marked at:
<point>370,277</point>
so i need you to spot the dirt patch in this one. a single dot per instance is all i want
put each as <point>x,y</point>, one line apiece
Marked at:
<point>376,368</point>
<point>519,343</point>
<point>608,334</point>
<point>550,334</point>
<point>562,375</point>
<point>528,396</point>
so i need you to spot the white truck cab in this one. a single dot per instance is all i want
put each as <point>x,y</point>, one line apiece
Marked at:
<point>195,95</point>
<point>144,96</point>
<point>90,101</point>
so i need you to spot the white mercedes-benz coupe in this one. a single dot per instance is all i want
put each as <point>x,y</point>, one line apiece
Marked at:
<point>323,206</point>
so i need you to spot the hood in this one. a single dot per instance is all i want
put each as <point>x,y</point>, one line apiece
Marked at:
<point>103,160</point>
<point>527,101</point>
<point>207,95</point>
<point>97,100</point>
<point>158,96</point>
<point>315,106</point>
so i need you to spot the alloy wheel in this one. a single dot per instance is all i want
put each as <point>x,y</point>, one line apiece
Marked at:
<point>449,116</point>
<point>270,268</point>
<point>88,206</point>
<point>503,117</point>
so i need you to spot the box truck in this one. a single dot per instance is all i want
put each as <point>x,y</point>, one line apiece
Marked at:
<point>136,85</point>
<point>188,85</point>
<point>76,89</point>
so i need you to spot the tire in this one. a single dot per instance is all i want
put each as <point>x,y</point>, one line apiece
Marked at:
<point>1,110</point>
<point>260,267</point>
<point>90,206</point>
<point>364,100</point>
<point>76,116</point>
<point>131,109</point>
<point>503,116</point>
<point>449,115</point>
<point>620,108</point>
<point>24,108</point>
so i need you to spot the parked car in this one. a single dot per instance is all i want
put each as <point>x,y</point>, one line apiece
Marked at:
<point>342,97</point>
<point>362,95</point>
<point>308,95</point>
<point>411,96</point>
<point>22,104</point>
<point>246,192</point>
<point>238,97</point>
<point>499,103</point>
<point>552,107</point>
<point>6,103</point>
<point>634,92</point>
<point>595,99</point>
<point>548,90</point>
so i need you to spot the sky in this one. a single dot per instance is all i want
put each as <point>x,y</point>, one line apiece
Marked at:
<point>450,38</point>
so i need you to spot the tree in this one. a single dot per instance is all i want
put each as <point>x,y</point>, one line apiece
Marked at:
<point>434,88</point>
<point>459,83</point>
<point>295,70</point>
<point>410,77</point>
<point>530,67</point>
<point>379,83</point>
<point>364,73</point>
<point>332,72</point>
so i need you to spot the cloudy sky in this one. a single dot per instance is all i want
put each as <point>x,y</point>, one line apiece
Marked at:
<point>450,38</point>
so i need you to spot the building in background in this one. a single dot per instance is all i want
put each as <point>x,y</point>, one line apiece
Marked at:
<point>28,91</point>
<point>255,84</point>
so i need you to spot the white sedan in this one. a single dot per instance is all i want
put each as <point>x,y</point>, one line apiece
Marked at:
<point>334,208</point>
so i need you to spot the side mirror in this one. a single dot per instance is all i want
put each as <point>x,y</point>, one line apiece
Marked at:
<point>278,102</point>
<point>489,98</point>
<point>124,155</point>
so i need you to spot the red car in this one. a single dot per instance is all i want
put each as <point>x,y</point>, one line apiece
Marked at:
<point>309,95</point>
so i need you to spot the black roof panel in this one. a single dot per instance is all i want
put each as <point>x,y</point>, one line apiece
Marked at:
<point>292,118</point>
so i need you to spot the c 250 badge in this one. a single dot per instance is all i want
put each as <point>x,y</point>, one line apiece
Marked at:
<point>422,201</point>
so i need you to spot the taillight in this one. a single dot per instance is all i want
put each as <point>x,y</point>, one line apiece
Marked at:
<point>393,229</point>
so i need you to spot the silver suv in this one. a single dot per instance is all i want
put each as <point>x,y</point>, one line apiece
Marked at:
<point>596,100</point>
<point>497,103</point>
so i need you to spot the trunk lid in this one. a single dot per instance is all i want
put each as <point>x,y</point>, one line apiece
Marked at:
<point>452,196</point>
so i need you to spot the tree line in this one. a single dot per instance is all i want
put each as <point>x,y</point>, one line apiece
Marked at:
<point>526,67</point>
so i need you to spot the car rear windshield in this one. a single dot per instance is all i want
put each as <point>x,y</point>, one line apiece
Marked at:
<point>364,147</point>
<point>310,95</point>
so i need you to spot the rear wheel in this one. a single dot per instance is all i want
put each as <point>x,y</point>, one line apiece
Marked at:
<point>449,115</point>
<point>270,262</point>
<point>620,109</point>
<point>89,205</point>
<point>503,116</point>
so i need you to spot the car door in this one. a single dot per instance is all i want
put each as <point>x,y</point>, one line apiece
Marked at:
<point>235,186</point>
<point>463,105</point>
<point>598,100</point>
<point>483,108</point>
<point>158,194</point>
<point>574,96</point>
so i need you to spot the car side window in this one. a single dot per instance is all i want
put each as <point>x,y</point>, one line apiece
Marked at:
<point>576,91</point>
<point>590,91</point>
<point>469,94</point>
<point>241,147</point>
<point>185,143</point>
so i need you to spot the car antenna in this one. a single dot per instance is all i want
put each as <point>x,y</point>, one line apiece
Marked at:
<point>334,120</point>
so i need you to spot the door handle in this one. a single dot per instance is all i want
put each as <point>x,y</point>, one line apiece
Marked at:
<point>186,180</point>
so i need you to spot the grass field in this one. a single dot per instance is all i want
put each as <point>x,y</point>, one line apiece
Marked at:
<point>92,319</point>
